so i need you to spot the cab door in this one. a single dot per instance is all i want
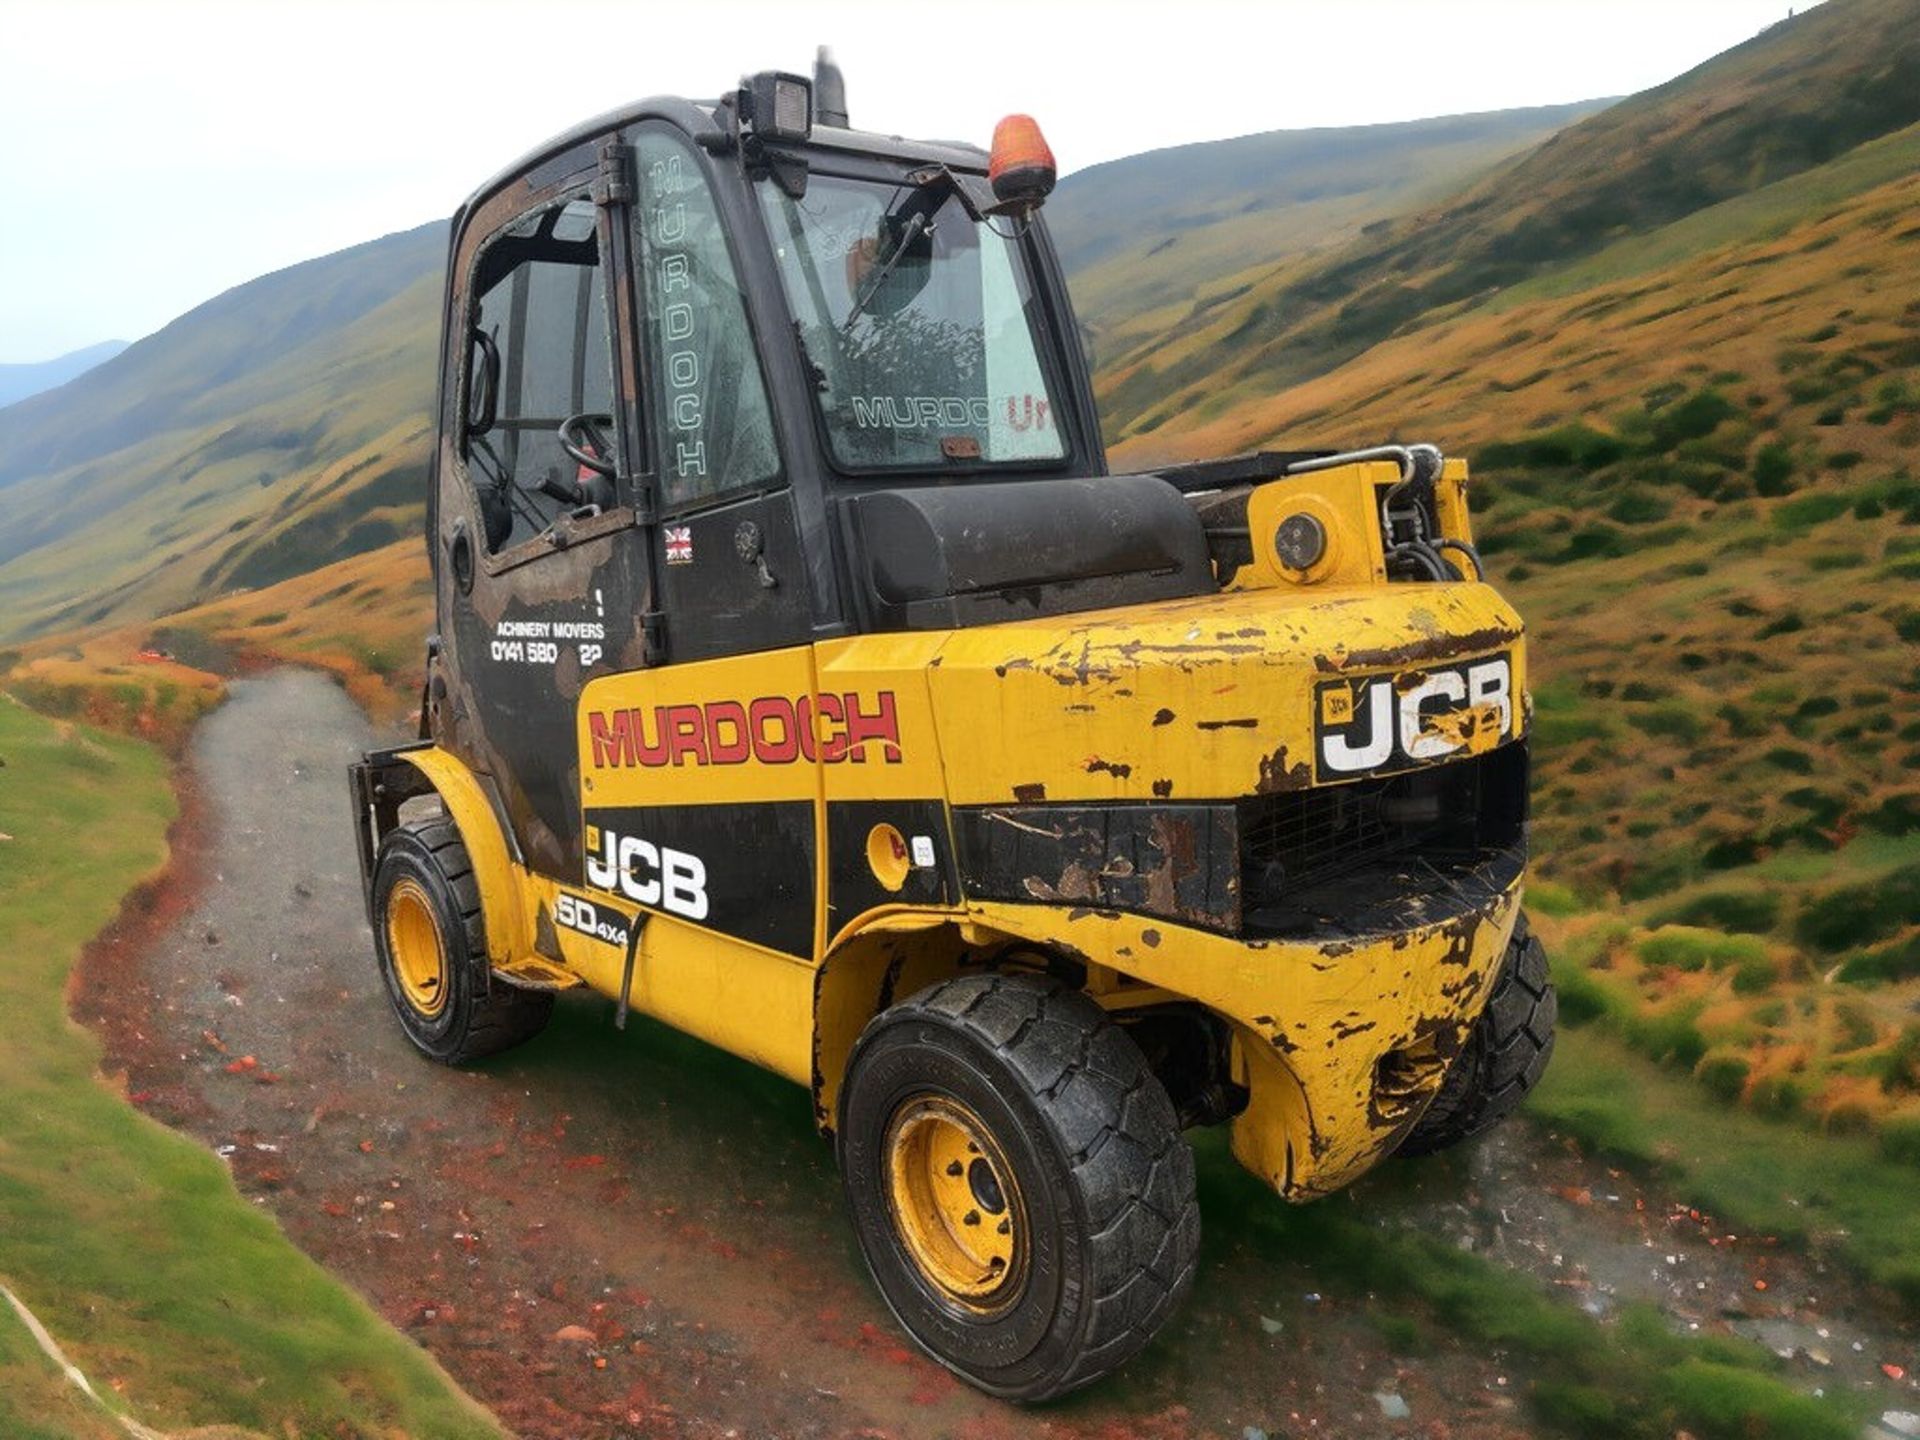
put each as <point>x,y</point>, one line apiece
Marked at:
<point>731,570</point>
<point>540,566</point>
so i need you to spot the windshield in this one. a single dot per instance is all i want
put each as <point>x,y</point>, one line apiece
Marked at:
<point>917,319</point>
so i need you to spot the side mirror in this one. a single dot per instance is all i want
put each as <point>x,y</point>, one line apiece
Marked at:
<point>1020,167</point>
<point>483,383</point>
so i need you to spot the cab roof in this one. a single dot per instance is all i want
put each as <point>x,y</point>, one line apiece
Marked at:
<point>697,117</point>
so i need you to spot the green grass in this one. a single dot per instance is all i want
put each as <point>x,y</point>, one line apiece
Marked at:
<point>129,1243</point>
<point>1764,214</point>
<point>1837,1192</point>
<point>1683,947</point>
<point>36,1402</point>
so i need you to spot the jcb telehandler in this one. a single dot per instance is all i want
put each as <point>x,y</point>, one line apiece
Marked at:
<point>804,679</point>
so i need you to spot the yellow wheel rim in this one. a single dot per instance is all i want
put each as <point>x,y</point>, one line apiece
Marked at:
<point>413,940</point>
<point>955,1203</point>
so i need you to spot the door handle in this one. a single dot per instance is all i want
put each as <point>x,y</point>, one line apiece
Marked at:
<point>460,555</point>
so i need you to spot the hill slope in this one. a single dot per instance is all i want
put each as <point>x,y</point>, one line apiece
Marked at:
<point>1797,96</point>
<point>17,382</point>
<point>277,427</point>
<point>1170,227</point>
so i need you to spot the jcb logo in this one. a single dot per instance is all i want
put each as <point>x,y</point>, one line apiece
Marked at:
<point>646,873</point>
<point>1386,723</point>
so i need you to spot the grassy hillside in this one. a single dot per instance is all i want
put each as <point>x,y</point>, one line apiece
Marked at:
<point>1150,237</point>
<point>283,425</point>
<point>362,619</point>
<point>1796,97</point>
<point>221,1321</point>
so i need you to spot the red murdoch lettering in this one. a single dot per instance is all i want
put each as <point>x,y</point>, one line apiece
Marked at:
<point>773,730</point>
<point>833,740</point>
<point>654,751</point>
<point>803,726</point>
<point>770,724</point>
<point>612,736</point>
<point>688,734</point>
<point>727,742</point>
<point>883,726</point>
<point>620,739</point>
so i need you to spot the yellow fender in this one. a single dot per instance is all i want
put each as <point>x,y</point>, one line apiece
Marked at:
<point>493,867</point>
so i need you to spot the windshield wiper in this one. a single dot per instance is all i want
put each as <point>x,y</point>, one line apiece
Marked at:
<point>814,370</point>
<point>915,227</point>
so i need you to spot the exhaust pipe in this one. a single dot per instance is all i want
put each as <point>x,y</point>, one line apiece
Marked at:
<point>829,91</point>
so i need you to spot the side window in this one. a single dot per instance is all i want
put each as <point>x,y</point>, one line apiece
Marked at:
<point>716,429</point>
<point>540,356</point>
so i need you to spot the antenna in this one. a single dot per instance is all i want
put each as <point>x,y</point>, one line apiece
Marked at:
<point>829,91</point>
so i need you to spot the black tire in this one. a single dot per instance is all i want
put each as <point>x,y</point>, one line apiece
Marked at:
<point>477,1017</point>
<point>1504,1057</point>
<point>1101,1174</point>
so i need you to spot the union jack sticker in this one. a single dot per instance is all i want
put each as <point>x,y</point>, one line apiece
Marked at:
<point>679,544</point>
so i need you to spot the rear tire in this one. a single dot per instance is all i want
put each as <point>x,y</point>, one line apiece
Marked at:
<point>1018,1182</point>
<point>432,948</point>
<point>1504,1057</point>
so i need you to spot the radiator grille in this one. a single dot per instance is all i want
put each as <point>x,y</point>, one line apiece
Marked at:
<point>1345,856</point>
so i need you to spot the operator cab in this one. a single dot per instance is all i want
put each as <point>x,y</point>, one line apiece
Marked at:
<point>726,379</point>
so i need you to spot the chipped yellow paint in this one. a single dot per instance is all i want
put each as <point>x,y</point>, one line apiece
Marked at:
<point>1201,699</point>
<point>1212,698</point>
<point>501,882</point>
<point>1312,1023</point>
<point>754,1002</point>
<point>1472,731</point>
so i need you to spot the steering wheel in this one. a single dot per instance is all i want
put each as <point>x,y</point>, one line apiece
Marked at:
<point>581,437</point>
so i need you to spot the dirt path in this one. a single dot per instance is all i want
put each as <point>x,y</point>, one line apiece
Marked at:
<point>615,1235</point>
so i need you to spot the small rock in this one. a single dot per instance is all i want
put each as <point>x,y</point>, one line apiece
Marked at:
<point>1392,1406</point>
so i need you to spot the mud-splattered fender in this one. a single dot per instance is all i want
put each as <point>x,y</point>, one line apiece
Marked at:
<point>1340,1044</point>
<point>493,868</point>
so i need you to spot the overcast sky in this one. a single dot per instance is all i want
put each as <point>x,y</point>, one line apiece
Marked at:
<point>156,152</point>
